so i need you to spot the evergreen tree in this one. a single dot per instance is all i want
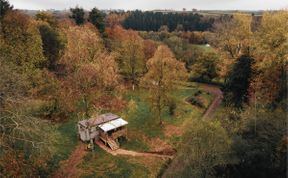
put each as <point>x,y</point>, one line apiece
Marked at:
<point>237,82</point>
<point>53,45</point>
<point>151,21</point>
<point>96,17</point>
<point>4,8</point>
<point>78,15</point>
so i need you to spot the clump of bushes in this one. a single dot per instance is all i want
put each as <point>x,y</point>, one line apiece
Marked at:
<point>172,107</point>
<point>194,101</point>
<point>199,92</point>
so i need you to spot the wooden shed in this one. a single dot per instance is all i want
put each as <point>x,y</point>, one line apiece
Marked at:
<point>106,127</point>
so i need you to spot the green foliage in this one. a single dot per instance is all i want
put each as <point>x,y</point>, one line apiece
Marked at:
<point>181,46</point>
<point>163,71</point>
<point>142,119</point>
<point>258,144</point>
<point>195,101</point>
<point>96,17</point>
<point>237,82</point>
<point>151,21</point>
<point>26,135</point>
<point>4,8</point>
<point>131,56</point>
<point>266,42</point>
<point>172,106</point>
<point>53,45</point>
<point>269,82</point>
<point>13,85</point>
<point>102,164</point>
<point>205,146</point>
<point>91,72</point>
<point>134,144</point>
<point>47,17</point>
<point>204,68</point>
<point>233,35</point>
<point>22,41</point>
<point>65,147</point>
<point>78,15</point>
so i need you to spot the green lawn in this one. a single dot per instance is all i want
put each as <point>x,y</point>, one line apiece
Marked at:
<point>204,48</point>
<point>143,123</point>
<point>101,164</point>
<point>68,142</point>
<point>142,126</point>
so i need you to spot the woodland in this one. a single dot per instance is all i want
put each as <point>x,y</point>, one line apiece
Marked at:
<point>159,72</point>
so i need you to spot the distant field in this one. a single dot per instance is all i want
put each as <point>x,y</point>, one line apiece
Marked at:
<point>219,13</point>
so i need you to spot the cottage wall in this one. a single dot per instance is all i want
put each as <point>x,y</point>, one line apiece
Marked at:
<point>86,135</point>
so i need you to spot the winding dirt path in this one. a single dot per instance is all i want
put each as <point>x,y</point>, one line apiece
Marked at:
<point>68,168</point>
<point>215,103</point>
<point>130,152</point>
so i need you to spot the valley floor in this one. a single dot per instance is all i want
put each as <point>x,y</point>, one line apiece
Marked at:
<point>145,135</point>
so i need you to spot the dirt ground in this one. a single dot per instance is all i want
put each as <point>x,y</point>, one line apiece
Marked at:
<point>172,130</point>
<point>132,153</point>
<point>215,103</point>
<point>68,168</point>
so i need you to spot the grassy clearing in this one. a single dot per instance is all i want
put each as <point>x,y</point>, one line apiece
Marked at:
<point>69,140</point>
<point>142,128</point>
<point>133,143</point>
<point>143,120</point>
<point>204,48</point>
<point>143,124</point>
<point>101,164</point>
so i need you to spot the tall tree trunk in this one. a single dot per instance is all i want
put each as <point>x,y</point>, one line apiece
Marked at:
<point>159,110</point>
<point>86,109</point>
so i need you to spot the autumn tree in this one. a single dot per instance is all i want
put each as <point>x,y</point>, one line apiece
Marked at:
<point>22,40</point>
<point>47,17</point>
<point>205,67</point>
<point>163,71</point>
<point>26,140</point>
<point>131,56</point>
<point>164,28</point>
<point>96,17</point>
<point>13,85</point>
<point>52,39</point>
<point>149,48</point>
<point>78,15</point>
<point>267,44</point>
<point>204,147</point>
<point>92,71</point>
<point>22,48</point>
<point>270,79</point>
<point>234,35</point>
<point>114,19</point>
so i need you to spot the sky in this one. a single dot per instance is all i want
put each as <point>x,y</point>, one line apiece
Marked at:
<point>152,4</point>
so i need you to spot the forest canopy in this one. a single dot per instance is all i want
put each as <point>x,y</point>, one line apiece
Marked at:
<point>203,97</point>
<point>153,21</point>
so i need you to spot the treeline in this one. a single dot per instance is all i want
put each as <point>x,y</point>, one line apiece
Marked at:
<point>152,21</point>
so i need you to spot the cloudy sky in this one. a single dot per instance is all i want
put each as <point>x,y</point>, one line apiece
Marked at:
<point>153,4</point>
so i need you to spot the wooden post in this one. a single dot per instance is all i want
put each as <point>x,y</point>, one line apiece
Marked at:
<point>92,144</point>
